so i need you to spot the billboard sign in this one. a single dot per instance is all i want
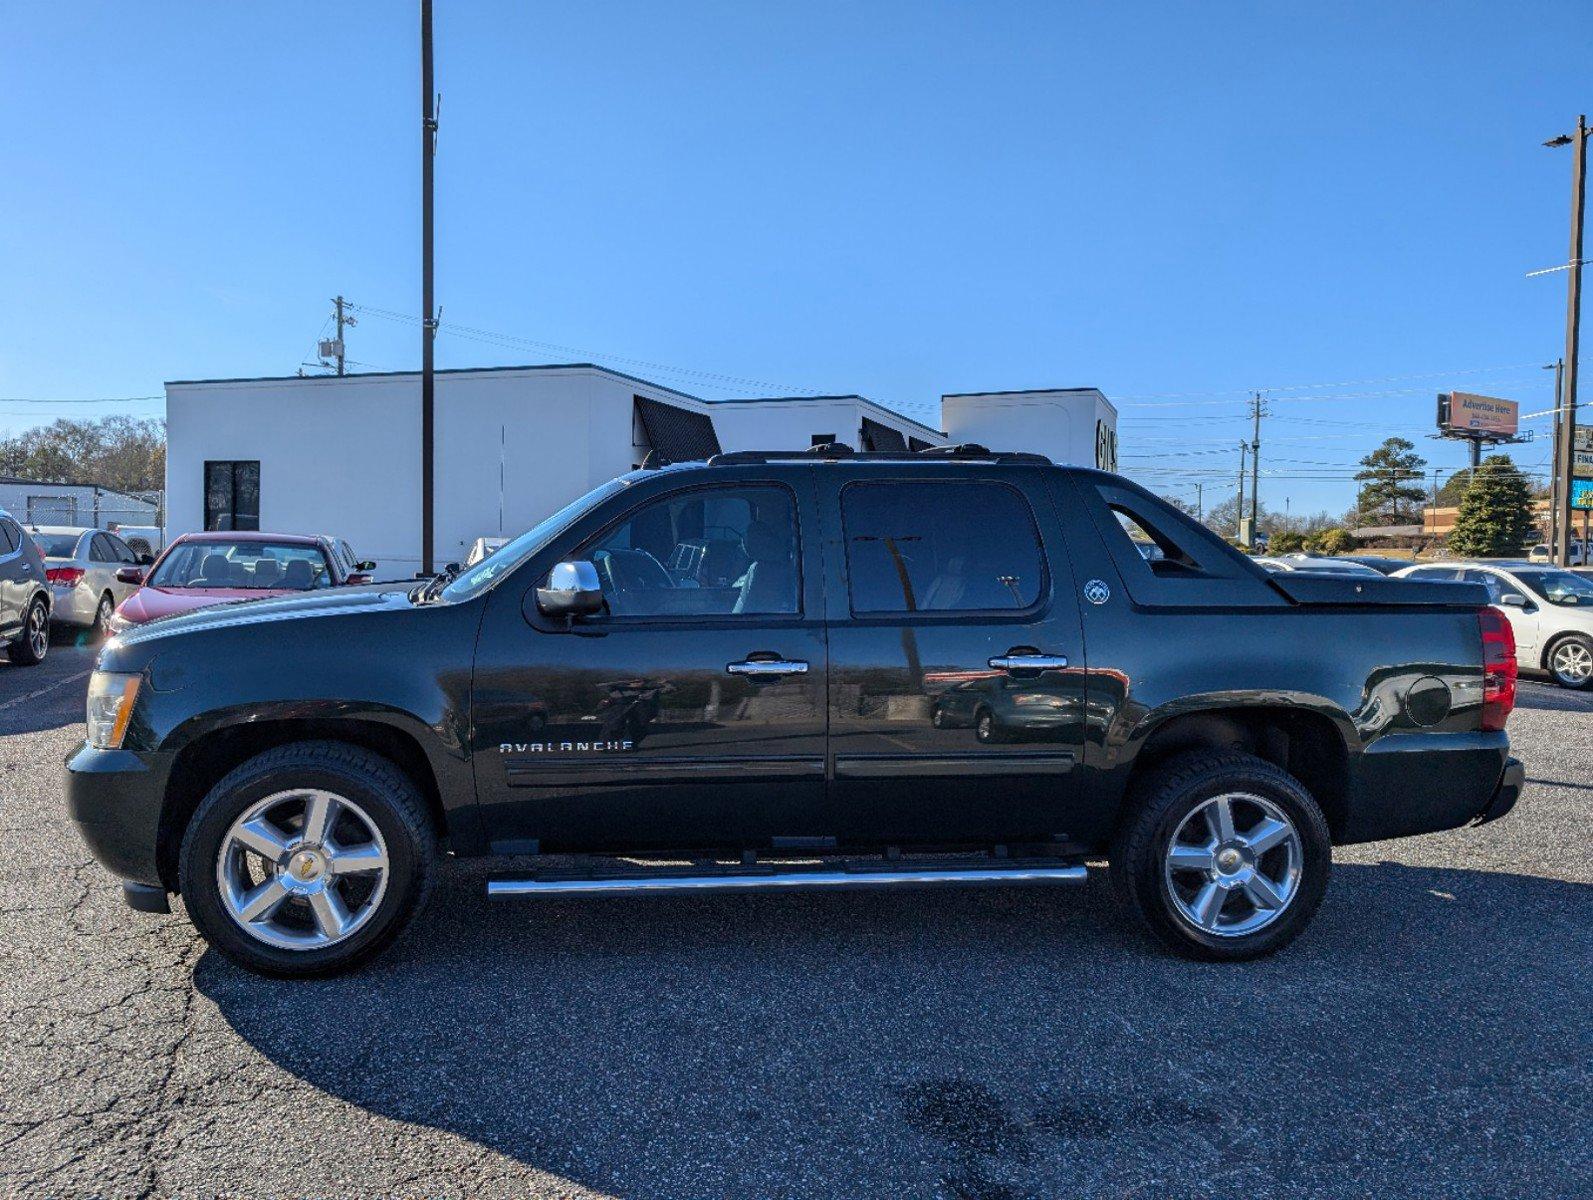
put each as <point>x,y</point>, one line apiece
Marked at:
<point>1583,438</point>
<point>1462,412</point>
<point>1582,493</point>
<point>1582,464</point>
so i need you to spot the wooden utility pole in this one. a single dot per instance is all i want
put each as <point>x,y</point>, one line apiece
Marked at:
<point>1565,461</point>
<point>428,328</point>
<point>1239,509</point>
<point>1255,466</point>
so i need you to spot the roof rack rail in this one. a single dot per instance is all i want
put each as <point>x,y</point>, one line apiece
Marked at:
<point>838,451</point>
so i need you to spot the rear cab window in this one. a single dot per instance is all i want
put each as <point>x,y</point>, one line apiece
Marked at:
<point>1164,557</point>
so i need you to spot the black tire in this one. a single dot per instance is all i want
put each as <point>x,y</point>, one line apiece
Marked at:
<point>985,728</point>
<point>1154,813</point>
<point>101,629</point>
<point>388,797</point>
<point>27,649</point>
<point>1569,641</point>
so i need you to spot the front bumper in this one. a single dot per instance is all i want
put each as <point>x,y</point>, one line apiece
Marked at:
<point>115,797</point>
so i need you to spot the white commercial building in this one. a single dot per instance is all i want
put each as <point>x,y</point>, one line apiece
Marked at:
<point>87,504</point>
<point>342,454</point>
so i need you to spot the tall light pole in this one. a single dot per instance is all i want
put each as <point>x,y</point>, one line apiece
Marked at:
<point>428,328</point>
<point>1564,467</point>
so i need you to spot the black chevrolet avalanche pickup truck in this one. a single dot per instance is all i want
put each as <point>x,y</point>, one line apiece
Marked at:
<point>817,669</point>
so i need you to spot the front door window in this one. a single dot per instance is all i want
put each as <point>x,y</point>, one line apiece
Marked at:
<point>711,553</point>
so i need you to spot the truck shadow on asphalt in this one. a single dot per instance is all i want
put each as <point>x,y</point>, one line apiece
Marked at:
<point>978,1044</point>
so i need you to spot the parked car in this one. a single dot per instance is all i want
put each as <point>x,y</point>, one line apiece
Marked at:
<point>604,686</point>
<point>201,569</point>
<point>1550,612</point>
<point>1378,563</point>
<point>141,539</point>
<point>84,568</point>
<point>24,595</point>
<point>1318,566</point>
<point>1544,553</point>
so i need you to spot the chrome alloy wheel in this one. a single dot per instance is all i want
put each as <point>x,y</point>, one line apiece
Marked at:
<point>1233,865</point>
<point>302,869</point>
<point>1572,663</point>
<point>38,631</point>
<point>102,617</point>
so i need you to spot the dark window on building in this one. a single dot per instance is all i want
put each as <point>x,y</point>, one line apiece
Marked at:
<point>678,434</point>
<point>881,437</point>
<point>232,495</point>
<point>710,552</point>
<point>940,547</point>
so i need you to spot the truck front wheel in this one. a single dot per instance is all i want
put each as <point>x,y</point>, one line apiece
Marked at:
<point>308,859</point>
<point>1222,856</point>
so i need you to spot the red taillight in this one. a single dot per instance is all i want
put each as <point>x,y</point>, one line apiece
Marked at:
<point>1498,668</point>
<point>65,576</point>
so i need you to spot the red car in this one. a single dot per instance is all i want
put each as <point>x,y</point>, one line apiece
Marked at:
<point>200,569</point>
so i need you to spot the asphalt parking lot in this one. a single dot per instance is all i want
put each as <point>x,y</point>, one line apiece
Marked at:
<point>1429,1036</point>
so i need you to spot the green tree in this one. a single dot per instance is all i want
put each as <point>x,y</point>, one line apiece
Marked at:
<point>1390,479</point>
<point>1286,542</point>
<point>125,453</point>
<point>1496,516</point>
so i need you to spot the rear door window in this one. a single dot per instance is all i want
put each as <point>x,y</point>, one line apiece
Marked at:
<point>940,546</point>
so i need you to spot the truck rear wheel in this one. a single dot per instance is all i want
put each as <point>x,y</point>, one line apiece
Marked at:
<point>308,859</point>
<point>1222,856</point>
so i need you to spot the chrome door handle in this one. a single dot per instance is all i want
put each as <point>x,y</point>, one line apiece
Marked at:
<point>767,668</point>
<point>1029,662</point>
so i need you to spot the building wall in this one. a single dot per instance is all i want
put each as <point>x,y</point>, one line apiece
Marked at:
<point>76,504</point>
<point>792,424</point>
<point>342,455</point>
<point>1063,425</point>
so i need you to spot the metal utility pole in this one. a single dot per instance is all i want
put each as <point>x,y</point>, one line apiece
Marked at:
<point>1200,501</point>
<point>1239,509</point>
<point>1255,464</point>
<point>428,329</point>
<point>1565,461</point>
<point>1558,367</point>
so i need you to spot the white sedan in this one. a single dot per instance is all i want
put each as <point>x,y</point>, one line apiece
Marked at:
<point>1550,612</point>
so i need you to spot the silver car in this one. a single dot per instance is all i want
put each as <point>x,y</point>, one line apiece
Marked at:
<point>82,566</point>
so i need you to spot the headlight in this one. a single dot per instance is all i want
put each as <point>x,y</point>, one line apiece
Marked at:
<point>110,705</point>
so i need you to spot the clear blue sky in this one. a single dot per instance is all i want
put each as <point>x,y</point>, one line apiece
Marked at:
<point>1173,202</point>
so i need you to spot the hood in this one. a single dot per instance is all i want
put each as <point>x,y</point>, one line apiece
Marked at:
<point>183,610</point>
<point>151,603</point>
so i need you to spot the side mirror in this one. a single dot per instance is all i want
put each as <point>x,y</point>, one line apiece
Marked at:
<point>1513,600</point>
<point>573,590</point>
<point>368,564</point>
<point>134,575</point>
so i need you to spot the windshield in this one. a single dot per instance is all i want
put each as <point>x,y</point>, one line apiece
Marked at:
<point>1558,587</point>
<point>474,580</point>
<point>248,566</point>
<point>57,545</point>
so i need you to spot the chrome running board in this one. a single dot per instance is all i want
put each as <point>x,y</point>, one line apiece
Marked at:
<point>739,879</point>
